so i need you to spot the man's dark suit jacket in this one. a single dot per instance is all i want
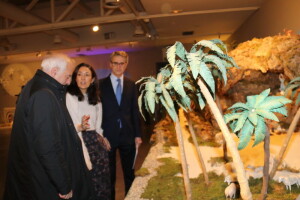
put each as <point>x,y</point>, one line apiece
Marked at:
<point>127,112</point>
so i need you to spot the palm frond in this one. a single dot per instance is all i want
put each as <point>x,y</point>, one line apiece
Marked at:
<point>201,101</point>
<point>261,97</point>
<point>241,121</point>
<point>194,63</point>
<point>267,114</point>
<point>140,104</point>
<point>228,59</point>
<point>209,44</point>
<point>260,131</point>
<point>239,106</point>
<point>253,117</point>
<point>245,135</point>
<point>282,110</point>
<point>176,80</point>
<point>218,63</point>
<point>176,50</point>
<point>219,43</point>
<point>171,111</point>
<point>231,116</point>
<point>272,102</point>
<point>205,73</point>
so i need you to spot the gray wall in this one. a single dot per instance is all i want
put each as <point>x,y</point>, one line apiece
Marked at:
<point>269,20</point>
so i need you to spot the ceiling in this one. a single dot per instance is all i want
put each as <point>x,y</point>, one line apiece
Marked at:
<point>34,27</point>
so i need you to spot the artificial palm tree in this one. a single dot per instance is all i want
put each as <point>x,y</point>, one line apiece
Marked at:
<point>202,58</point>
<point>293,86</point>
<point>155,92</point>
<point>249,118</point>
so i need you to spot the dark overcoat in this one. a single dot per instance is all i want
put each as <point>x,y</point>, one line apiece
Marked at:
<point>45,153</point>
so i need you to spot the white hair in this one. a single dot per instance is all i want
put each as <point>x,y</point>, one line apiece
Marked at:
<point>56,60</point>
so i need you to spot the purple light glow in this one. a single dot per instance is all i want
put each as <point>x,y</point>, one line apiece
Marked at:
<point>98,51</point>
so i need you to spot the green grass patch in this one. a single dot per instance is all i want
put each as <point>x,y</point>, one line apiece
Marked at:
<point>201,142</point>
<point>142,172</point>
<point>167,186</point>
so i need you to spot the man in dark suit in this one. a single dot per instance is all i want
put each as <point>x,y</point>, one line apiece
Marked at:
<point>120,118</point>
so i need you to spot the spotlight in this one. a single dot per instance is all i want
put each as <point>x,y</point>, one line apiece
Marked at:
<point>112,4</point>
<point>96,28</point>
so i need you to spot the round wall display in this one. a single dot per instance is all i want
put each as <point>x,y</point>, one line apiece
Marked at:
<point>13,77</point>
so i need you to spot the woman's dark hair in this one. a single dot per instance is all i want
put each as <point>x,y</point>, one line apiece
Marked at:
<point>92,90</point>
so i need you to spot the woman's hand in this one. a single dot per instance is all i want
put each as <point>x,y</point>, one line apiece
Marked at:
<point>85,122</point>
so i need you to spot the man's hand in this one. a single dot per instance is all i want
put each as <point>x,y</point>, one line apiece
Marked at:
<point>66,196</point>
<point>138,142</point>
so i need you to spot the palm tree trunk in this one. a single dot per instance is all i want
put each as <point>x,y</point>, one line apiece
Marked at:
<point>241,175</point>
<point>184,165</point>
<point>264,190</point>
<point>280,155</point>
<point>198,150</point>
<point>225,155</point>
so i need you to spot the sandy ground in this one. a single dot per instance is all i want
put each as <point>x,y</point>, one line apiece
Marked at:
<point>252,157</point>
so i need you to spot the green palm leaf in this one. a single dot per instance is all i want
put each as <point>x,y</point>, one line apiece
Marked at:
<point>201,101</point>
<point>194,63</point>
<point>251,101</point>
<point>260,131</point>
<point>245,134</point>
<point>220,44</point>
<point>218,63</point>
<point>140,104</point>
<point>227,59</point>
<point>208,44</point>
<point>282,110</point>
<point>261,97</point>
<point>272,102</point>
<point>205,73</point>
<point>176,50</point>
<point>167,97</point>
<point>267,114</point>
<point>239,106</point>
<point>150,95</point>
<point>253,117</point>
<point>176,80</point>
<point>231,116</point>
<point>241,121</point>
<point>171,111</point>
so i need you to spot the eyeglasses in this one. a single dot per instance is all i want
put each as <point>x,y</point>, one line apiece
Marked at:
<point>118,63</point>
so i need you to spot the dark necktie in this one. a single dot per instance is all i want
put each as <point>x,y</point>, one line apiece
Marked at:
<point>119,95</point>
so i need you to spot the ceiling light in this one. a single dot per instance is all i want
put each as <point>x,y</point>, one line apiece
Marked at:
<point>176,11</point>
<point>111,4</point>
<point>96,28</point>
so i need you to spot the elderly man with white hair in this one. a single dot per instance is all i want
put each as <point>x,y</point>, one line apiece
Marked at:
<point>45,158</point>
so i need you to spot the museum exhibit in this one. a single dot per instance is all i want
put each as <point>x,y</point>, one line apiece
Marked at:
<point>217,81</point>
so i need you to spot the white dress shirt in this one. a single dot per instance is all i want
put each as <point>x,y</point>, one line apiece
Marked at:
<point>79,108</point>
